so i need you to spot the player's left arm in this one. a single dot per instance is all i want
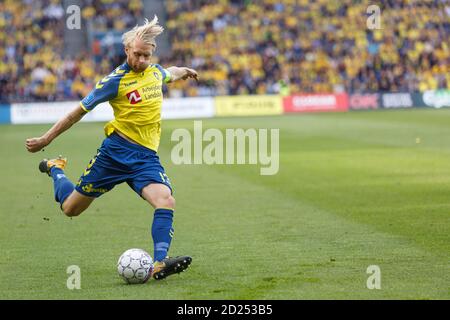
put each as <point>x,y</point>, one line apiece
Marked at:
<point>181,73</point>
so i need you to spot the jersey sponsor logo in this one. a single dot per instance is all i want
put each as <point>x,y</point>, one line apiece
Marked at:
<point>134,97</point>
<point>152,92</point>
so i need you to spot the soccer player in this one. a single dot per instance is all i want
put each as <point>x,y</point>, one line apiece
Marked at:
<point>129,151</point>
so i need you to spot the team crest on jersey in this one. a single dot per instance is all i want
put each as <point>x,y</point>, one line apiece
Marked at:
<point>156,75</point>
<point>134,97</point>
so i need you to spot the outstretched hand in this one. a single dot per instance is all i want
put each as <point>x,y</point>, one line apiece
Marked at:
<point>190,73</point>
<point>35,144</point>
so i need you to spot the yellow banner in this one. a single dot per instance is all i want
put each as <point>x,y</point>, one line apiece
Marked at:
<point>248,105</point>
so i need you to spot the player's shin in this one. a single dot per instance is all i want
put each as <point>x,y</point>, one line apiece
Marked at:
<point>162,232</point>
<point>62,185</point>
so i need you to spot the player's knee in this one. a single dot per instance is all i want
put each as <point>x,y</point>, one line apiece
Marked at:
<point>171,202</point>
<point>165,202</point>
<point>71,210</point>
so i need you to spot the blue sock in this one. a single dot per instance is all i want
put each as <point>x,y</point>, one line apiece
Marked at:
<point>162,232</point>
<point>63,187</point>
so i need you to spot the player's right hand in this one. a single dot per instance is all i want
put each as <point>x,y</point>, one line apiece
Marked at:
<point>35,144</point>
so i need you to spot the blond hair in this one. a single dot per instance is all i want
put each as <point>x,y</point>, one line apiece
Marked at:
<point>147,32</point>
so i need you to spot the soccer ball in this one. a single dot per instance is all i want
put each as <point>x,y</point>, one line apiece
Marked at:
<point>135,266</point>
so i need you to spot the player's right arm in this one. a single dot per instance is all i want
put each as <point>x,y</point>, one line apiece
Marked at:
<point>36,144</point>
<point>105,90</point>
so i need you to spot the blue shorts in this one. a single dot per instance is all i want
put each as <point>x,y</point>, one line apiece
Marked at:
<point>117,161</point>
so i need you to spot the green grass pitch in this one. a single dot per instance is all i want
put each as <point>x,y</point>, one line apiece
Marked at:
<point>353,190</point>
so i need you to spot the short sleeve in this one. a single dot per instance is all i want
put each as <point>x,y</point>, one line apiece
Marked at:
<point>105,90</point>
<point>165,73</point>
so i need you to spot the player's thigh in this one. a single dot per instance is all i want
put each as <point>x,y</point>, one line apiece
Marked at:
<point>158,195</point>
<point>76,203</point>
<point>100,176</point>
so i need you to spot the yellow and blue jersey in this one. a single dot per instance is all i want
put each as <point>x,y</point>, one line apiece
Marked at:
<point>136,99</point>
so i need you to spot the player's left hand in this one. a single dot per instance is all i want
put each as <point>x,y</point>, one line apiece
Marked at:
<point>190,73</point>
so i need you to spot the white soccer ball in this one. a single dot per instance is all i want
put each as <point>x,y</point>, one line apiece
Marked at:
<point>135,266</point>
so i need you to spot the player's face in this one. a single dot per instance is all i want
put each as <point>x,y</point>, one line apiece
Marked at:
<point>139,54</point>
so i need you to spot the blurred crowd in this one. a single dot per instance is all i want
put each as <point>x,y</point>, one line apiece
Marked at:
<point>257,47</point>
<point>33,64</point>
<point>238,46</point>
<point>120,15</point>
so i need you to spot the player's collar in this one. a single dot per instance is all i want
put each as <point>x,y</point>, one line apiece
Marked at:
<point>126,66</point>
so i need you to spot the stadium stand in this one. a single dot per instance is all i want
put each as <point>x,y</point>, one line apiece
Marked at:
<point>238,47</point>
<point>33,66</point>
<point>246,47</point>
